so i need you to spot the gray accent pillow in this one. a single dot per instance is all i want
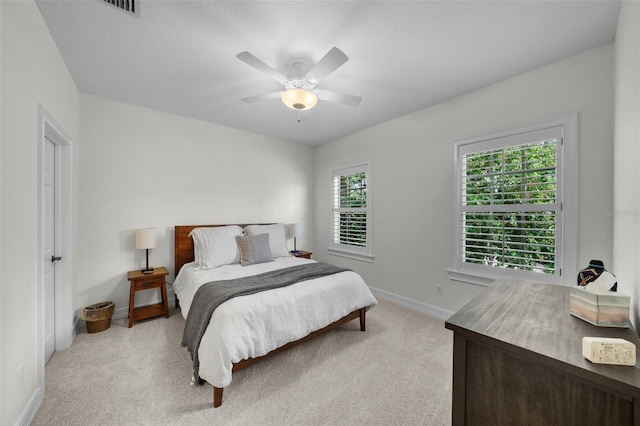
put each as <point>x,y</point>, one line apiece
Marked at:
<point>254,249</point>
<point>277,237</point>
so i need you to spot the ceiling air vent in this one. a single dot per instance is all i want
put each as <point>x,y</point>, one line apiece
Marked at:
<point>128,6</point>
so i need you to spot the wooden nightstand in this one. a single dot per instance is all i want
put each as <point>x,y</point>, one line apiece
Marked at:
<point>140,281</point>
<point>303,254</point>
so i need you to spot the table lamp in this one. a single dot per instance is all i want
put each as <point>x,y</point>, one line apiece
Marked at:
<point>146,239</point>
<point>294,230</point>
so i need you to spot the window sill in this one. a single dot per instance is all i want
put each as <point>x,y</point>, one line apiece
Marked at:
<point>470,278</point>
<point>486,280</point>
<point>351,255</point>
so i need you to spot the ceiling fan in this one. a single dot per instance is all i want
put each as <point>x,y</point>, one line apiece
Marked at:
<point>300,91</point>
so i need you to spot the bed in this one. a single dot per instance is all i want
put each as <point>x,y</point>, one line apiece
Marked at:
<point>249,328</point>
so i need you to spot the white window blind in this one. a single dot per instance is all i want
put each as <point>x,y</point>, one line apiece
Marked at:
<point>509,209</point>
<point>351,211</point>
<point>509,212</point>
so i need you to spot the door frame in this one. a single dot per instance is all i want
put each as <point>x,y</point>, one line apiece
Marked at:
<point>49,129</point>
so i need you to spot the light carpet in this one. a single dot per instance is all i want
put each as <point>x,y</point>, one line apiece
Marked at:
<point>397,372</point>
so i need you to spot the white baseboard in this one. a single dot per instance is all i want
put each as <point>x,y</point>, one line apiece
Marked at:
<point>434,311</point>
<point>425,308</point>
<point>31,409</point>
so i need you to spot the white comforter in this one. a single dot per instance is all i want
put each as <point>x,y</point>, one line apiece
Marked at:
<point>252,326</point>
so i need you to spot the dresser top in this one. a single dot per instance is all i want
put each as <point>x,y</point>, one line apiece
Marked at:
<point>532,319</point>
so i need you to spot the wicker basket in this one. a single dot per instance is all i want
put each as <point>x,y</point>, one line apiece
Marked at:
<point>98,316</point>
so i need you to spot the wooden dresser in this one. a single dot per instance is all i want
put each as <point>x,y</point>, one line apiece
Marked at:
<point>517,359</point>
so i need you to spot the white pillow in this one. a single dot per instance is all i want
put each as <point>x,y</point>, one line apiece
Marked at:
<point>216,246</point>
<point>277,237</point>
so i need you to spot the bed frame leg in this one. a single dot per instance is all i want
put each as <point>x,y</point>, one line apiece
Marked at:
<point>217,396</point>
<point>363,319</point>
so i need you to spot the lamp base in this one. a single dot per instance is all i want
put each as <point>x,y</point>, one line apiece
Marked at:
<point>147,270</point>
<point>295,251</point>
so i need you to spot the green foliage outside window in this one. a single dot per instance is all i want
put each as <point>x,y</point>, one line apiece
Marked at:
<point>352,216</point>
<point>496,234</point>
<point>353,190</point>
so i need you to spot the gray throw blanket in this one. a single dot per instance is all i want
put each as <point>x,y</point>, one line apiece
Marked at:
<point>210,295</point>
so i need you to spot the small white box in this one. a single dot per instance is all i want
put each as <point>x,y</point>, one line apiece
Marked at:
<point>603,350</point>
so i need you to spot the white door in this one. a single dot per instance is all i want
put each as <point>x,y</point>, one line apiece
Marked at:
<point>49,266</point>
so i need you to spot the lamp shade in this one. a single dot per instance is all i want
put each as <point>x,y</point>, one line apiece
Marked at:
<point>299,99</point>
<point>146,238</point>
<point>294,230</point>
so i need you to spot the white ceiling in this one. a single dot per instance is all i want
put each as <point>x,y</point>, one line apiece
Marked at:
<point>179,56</point>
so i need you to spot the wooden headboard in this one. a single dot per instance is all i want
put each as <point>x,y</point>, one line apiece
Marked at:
<point>183,244</point>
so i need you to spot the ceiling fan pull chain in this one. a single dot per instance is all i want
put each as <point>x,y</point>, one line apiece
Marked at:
<point>298,116</point>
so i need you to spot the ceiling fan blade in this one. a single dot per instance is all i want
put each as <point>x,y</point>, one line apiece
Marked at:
<point>250,59</point>
<point>341,98</point>
<point>260,98</point>
<point>328,64</point>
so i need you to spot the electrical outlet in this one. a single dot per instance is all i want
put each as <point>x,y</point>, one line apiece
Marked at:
<point>20,376</point>
<point>439,290</point>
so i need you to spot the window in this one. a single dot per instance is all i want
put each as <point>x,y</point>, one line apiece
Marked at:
<point>351,212</point>
<point>514,203</point>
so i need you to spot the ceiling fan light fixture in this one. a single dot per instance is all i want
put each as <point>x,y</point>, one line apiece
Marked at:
<point>299,99</point>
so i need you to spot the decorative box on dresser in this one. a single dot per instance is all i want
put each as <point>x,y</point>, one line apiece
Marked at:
<point>517,359</point>
<point>140,281</point>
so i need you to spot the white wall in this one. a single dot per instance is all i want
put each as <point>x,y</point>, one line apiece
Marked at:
<point>627,153</point>
<point>143,168</point>
<point>33,73</point>
<point>411,169</point>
